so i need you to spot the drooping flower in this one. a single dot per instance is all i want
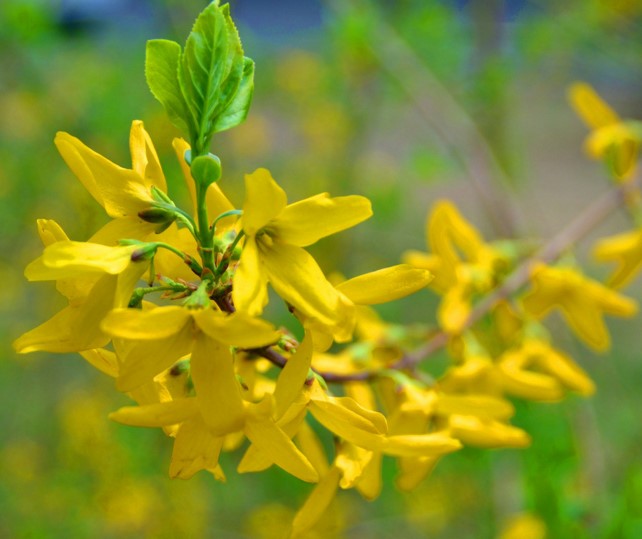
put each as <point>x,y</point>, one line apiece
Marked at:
<point>611,137</point>
<point>626,250</point>
<point>462,263</point>
<point>581,301</point>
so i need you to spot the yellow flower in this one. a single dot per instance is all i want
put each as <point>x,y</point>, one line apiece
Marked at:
<point>581,301</point>
<point>122,192</point>
<point>537,371</point>
<point>626,250</point>
<point>611,137</point>
<point>463,264</point>
<point>204,419</point>
<point>94,278</point>
<point>273,252</point>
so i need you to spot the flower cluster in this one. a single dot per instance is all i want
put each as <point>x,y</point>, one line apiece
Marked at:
<point>170,303</point>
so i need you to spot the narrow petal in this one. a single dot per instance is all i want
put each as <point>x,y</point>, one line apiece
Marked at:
<point>413,470</point>
<point>590,107</point>
<point>124,228</point>
<point>479,405</point>
<point>217,389</point>
<point>120,191</point>
<point>297,278</point>
<point>272,441</point>
<point>50,232</point>
<point>103,360</point>
<point>144,157</point>
<point>487,433</point>
<point>250,281</point>
<point>159,414</point>
<point>57,335</point>
<point>264,200</point>
<point>290,382</point>
<point>317,503</point>
<point>67,259</point>
<point>195,449</point>
<point>141,360</point>
<point>385,285</point>
<point>304,223</point>
<point>420,445</point>
<point>238,329</point>
<point>136,324</point>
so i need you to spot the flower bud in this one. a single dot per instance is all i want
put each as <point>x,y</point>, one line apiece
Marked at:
<point>159,216</point>
<point>206,169</point>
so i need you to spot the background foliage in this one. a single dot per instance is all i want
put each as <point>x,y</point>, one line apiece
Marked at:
<point>365,97</point>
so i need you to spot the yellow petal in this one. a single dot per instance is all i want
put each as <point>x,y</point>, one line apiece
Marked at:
<point>478,405</point>
<point>50,232</point>
<point>59,334</point>
<point>420,445</point>
<point>250,281</point>
<point>124,228</point>
<point>590,107</point>
<point>370,482</point>
<point>486,433</point>
<point>236,329</point>
<point>290,382</point>
<point>272,441</point>
<point>66,259</point>
<point>530,385</point>
<point>307,221</point>
<point>141,360</point>
<point>217,390</point>
<point>312,448</point>
<point>137,324</point>
<point>103,360</point>
<point>144,157</point>
<point>413,470</point>
<point>264,200</point>
<point>195,449</point>
<point>158,414</point>
<point>317,503</point>
<point>384,285</point>
<point>120,191</point>
<point>297,278</point>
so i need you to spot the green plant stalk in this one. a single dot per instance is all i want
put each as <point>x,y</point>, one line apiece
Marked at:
<point>205,236</point>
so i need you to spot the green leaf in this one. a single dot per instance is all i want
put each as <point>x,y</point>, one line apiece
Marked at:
<point>161,71</point>
<point>237,108</point>
<point>215,78</point>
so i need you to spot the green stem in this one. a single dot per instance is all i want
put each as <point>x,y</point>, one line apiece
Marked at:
<point>226,259</point>
<point>205,236</point>
<point>189,260</point>
<point>225,214</point>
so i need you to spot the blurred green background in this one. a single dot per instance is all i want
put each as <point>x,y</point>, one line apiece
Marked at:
<point>404,102</point>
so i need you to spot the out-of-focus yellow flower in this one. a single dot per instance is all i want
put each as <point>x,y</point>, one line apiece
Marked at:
<point>524,526</point>
<point>463,264</point>
<point>626,250</point>
<point>582,302</point>
<point>273,251</point>
<point>537,371</point>
<point>611,138</point>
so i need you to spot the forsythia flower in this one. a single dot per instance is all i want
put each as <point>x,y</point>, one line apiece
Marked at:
<point>626,250</point>
<point>611,137</point>
<point>462,263</point>
<point>273,251</point>
<point>582,302</point>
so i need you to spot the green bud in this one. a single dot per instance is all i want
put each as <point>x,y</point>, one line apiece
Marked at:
<point>159,216</point>
<point>144,252</point>
<point>206,169</point>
